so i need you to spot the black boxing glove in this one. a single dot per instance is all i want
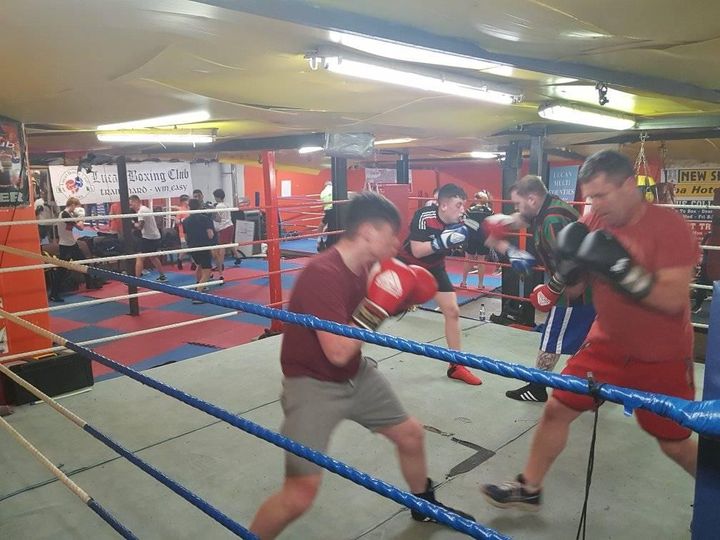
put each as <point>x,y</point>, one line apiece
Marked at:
<point>602,254</point>
<point>568,270</point>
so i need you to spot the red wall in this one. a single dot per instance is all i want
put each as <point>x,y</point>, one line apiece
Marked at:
<point>471,176</point>
<point>302,221</point>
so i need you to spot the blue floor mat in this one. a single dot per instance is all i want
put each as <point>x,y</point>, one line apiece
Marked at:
<point>261,264</point>
<point>288,280</point>
<point>185,305</point>
<point>89,332</point>
<point>174,355</point>
<point>93,314</point>
<point>250,318</point>
<point>308,245</point>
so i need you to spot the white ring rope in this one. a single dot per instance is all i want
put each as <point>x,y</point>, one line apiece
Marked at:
<point>72,486</point>
<point>126,257</point>
<point>704,287</point>
<point>107,217</point>
<point>28,354</point>
<point>114,258</point>
<point>110,299</point>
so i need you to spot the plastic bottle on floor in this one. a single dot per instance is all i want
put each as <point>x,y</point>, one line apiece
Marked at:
<point>482,315</point>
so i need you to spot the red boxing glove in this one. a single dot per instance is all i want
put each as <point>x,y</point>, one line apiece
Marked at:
<point>425,286</point>
<point>544,297</point>
<point>498,225</point>
<point>387,294</point>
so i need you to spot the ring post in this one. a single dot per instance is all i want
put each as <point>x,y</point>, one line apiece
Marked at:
<point>706,518</point>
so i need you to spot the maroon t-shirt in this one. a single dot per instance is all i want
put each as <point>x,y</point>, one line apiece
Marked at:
<point>327,289</point>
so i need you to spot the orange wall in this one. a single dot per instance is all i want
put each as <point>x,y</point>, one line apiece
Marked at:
<point>22,290</point>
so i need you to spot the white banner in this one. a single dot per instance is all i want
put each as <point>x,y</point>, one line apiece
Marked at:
<point>147,180</point>
<point>383,176</point>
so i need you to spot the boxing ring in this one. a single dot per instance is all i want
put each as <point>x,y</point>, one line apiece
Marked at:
<point>467,431</point>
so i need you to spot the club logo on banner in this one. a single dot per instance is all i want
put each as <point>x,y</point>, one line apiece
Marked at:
<point>695,187</point>
<point>74,184</point>
<point>147,180</point>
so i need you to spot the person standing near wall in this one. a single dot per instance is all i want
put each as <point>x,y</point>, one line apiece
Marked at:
<point>475,249</point>
<point>150,237</point>
<point>224,229</point>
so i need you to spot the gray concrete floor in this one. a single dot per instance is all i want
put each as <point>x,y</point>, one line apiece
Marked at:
<point>636,492</point>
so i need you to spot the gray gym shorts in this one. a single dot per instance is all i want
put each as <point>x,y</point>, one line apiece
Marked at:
<point>314,408</point>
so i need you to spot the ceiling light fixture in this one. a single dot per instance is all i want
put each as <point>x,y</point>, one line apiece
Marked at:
<point>160,121</point>
<point>401,140</point>
<point>467,88</point>
<point>174,137</point>
<point>309,149</point>
<point>486,155</point>
<point>409,53</point>
<point>577,114</point>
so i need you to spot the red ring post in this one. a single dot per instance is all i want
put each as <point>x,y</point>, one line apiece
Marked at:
<point>273,231</point>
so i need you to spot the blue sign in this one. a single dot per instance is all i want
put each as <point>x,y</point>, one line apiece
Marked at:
<point>563,182</point>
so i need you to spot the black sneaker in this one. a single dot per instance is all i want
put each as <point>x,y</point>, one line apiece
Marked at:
<point>162,278</point>
<point>529,392</point>
<point>238,261</point>
<point>512,495</point>
<point>429,495</point>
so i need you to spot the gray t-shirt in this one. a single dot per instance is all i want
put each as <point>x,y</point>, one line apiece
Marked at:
<point>150,229</point>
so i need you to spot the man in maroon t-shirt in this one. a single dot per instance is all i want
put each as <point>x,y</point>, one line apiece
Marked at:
<point>326,378</point>
<point>639,259</point>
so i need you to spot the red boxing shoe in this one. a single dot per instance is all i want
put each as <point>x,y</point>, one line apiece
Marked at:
<point>461,373</point>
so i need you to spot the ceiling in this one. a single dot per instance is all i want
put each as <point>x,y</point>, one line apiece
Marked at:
<point>76,64</point>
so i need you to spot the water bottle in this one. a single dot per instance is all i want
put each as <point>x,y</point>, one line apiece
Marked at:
<point>481,316</point>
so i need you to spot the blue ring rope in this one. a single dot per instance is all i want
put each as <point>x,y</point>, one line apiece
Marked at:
<point>181,490</point>
<point>409,500</point>
<point>700,416</point>
<point>111,520</point>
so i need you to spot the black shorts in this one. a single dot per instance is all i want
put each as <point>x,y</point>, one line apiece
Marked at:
<point>443,280</point>
<point>71,253</point>
<point>476,248</point>
<point>202,258</point>
<point>150,245</point>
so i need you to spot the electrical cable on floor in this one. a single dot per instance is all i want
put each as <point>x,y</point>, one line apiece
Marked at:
<point>594,392</point>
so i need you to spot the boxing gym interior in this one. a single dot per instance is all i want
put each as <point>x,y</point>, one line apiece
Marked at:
<point>277,114</point>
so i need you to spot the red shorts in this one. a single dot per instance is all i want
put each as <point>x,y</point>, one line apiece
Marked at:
<point>225,236</point>
<point>608,365</point>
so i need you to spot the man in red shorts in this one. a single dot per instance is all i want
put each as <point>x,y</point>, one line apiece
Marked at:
<point>326,379</point>
<point>640,259</point>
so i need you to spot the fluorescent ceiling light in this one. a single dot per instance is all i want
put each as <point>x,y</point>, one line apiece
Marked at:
<point>309,149</point>
<point>586,116</point>
<point>155,137</point>
<point>401,140</point>
<point>586,93</point>
<point>486,155</point>
<point>409,53</point>
<point>442,85</point>
<point>160,121</point>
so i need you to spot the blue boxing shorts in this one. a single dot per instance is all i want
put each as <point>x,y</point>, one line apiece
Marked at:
<point>566,328</point>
